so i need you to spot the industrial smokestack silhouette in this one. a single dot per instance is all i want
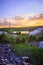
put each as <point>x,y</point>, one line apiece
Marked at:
<point>9,24</point>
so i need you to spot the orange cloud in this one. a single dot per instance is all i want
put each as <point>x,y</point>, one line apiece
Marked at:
<point>20,21</point>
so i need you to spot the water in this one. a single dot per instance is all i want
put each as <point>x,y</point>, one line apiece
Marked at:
<point>22,32</point>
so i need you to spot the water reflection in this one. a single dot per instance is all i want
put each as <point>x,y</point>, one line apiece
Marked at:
<point>22,32</point>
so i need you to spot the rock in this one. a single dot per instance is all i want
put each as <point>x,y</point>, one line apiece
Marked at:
<point>18,60</point>
<point>7,57</point>
<point>30,44</point>
<point>24,63</point>
<point>26,59</point>
<point>41,44</point>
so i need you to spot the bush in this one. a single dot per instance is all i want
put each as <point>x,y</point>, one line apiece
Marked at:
<point>31,38</point>
<point>4,38</point>
<point>21,39</point>
<point>18,32</point>
<point>40,37</point>
<point>13,39</point>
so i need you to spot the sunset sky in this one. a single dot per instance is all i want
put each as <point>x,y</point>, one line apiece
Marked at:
<point>11,8</point>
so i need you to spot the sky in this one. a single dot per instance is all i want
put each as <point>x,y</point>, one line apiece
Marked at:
<point>12,8</point>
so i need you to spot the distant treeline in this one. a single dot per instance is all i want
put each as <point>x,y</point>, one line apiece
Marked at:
<point>21,28</point>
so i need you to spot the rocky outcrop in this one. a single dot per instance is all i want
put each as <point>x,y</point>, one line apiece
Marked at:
<point>1,32</point>
<point>7,57</point>
<point>37,31</point>
<point>41,44</point>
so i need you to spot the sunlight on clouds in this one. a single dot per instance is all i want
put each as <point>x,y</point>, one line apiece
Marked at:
<point>20,21</point>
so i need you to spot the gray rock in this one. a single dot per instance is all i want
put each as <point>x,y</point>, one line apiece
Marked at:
<point>7,57</point>
<point>41,44</point>
<point>37,31</point>
<point>26,59</point>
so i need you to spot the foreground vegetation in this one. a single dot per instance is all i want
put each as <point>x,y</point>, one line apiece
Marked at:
<point>35,53</point>
<point>20,46</point>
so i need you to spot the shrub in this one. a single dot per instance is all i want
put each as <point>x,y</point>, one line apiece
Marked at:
<point>13,39</point>
<point>40,37</point>
<point>31,38</point>
<point>21,39</point>
<point>18,32</point>
<point>4,38</point>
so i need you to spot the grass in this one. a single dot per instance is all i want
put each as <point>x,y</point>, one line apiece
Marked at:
<point>35,53</point>
<point>17,48</point>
